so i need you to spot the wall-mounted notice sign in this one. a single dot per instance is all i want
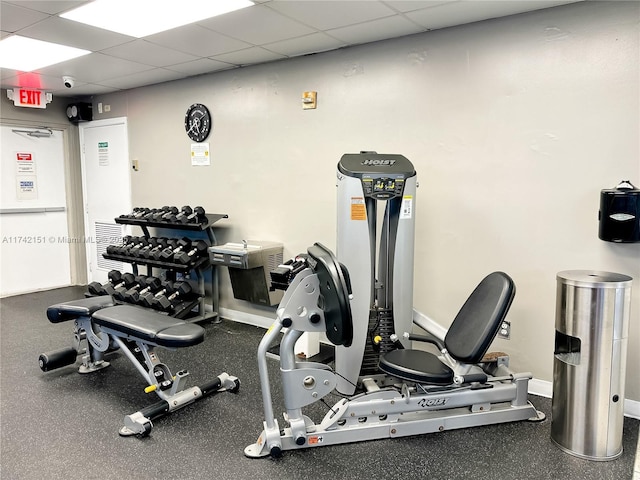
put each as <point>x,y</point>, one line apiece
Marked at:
<point>103,154</point>
<point>200,154</point>
<point>26,187</point>
<point>25,163</point>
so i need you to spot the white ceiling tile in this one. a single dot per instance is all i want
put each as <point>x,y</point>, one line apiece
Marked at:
<point>74,34</point>
<point>410,5</point>
<point>32,80</point>
<point>270,30</point>
<point>85,89</point>
<point>389,27</point>
<point>157,75</point>
<point>149,53</point>
<point>249,56</point>
<point>50,6</point>
<point>94,68</point>
<point>197,40</point>
<point>14,18</point>
<point>324,15</point>
<point>316,42</point>
<point>257,25</point>
<point>202,65</point>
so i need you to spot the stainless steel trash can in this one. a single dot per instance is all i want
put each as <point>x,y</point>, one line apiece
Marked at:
<point>592,324</point>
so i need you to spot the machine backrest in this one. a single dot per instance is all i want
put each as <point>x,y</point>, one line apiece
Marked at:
<point>334,295</point>
<point>480,318</point>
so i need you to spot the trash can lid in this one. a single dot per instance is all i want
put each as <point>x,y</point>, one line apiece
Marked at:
<point>590,278</point>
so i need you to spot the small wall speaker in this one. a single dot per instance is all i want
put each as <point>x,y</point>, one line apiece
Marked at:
<point>79,112</point>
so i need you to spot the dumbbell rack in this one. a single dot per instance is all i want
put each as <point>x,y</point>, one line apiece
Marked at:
<point>200,267</point>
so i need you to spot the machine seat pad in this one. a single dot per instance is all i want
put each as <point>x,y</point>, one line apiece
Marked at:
<point>62,312</point>
<point>416,366</point>
<point>149,326</point>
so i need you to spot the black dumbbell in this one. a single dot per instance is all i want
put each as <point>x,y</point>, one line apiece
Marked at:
<point>148,216</point>
<point>198,249</point>
<point>167,254</point>
<point>161,244</point>
<point>133,213</point>
<point>166,303</point>
<point>152,243</point>
<point>113,249</point>
<point>148,299</point>
<point>197,216</point>
<point>124,248</point>
<point>170,216</point>
<point>133,246</point>
<point>135,250</point>
<point>156,217</point>
<point>97,288</point>
<point>141,213</point>
<point>138,283</point>
<point>151,284</point>
<point>183,216</point>
<point>169,243</point>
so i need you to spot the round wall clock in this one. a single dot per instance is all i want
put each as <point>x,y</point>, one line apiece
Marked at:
<point>198,122</point>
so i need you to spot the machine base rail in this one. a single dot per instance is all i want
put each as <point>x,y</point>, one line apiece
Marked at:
<point>141,422</point>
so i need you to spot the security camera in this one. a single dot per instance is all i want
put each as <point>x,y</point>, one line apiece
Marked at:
<point>69,82</point>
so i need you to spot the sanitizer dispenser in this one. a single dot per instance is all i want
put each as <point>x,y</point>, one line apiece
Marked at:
<point>619,214</point>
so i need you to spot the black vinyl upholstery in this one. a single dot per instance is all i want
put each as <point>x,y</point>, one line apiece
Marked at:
<point>334,294</point>
<point>478,321</point>
<point>85,307</point>
<point>468,338</point>
<point>416,366</point>
<point>149,326</point>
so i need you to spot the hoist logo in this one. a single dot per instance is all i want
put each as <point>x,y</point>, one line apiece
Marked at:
<point>433,402</point>
<point>378,163</point>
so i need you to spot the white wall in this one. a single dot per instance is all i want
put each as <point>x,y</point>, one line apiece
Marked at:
<point>514,126</point>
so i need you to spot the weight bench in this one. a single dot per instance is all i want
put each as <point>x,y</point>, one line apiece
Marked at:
<point>101,327</point>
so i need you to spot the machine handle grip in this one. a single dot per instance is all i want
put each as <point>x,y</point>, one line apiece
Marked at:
<point>427,339</point>
<point>471,378</point>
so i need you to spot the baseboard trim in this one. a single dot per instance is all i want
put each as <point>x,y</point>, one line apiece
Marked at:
<point>542,388</point>
<point>245,317</point>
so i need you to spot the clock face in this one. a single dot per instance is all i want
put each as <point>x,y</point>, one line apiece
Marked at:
<point>197,122</point>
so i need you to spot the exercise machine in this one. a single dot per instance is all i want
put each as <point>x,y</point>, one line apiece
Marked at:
<point>101,327</point>
<point>376,229</point>
<point>363,303</point>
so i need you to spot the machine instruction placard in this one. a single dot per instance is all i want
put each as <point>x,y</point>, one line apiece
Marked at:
<point>406,210</point>
<point>358,209</point>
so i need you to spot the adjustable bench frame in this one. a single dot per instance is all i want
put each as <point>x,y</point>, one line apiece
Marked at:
<point>100,327</point>
<point>389,407</point>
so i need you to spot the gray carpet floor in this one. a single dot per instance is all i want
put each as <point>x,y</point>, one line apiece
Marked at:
<point>61,424</point>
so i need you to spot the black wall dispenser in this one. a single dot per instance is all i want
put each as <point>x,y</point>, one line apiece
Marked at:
<point>619,214</point>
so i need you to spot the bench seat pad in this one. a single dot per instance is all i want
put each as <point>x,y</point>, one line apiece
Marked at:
<point>149,326</point>
<point>62,312</point>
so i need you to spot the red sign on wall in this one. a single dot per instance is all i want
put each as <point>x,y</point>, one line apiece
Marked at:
<point>30,97</point>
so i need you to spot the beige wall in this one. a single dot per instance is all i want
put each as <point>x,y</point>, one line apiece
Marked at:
<point>514,126</point>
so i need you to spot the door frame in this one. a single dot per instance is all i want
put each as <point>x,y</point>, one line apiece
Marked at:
<point>85,209</point>
<point>75,222</point>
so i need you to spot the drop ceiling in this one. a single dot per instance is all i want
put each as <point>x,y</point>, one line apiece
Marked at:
<point>268,31</point>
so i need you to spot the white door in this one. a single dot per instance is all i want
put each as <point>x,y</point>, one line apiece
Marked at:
<point>34,253</point>
<point>106,188</point>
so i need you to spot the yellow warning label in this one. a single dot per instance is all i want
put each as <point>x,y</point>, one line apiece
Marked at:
<point>358,209</point>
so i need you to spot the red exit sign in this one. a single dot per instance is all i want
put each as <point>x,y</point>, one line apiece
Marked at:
<point>30,97</point>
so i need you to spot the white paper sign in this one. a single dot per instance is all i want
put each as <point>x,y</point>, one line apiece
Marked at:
<point>200,154</point>
<point>25,162</point>
<point>26,187</point>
